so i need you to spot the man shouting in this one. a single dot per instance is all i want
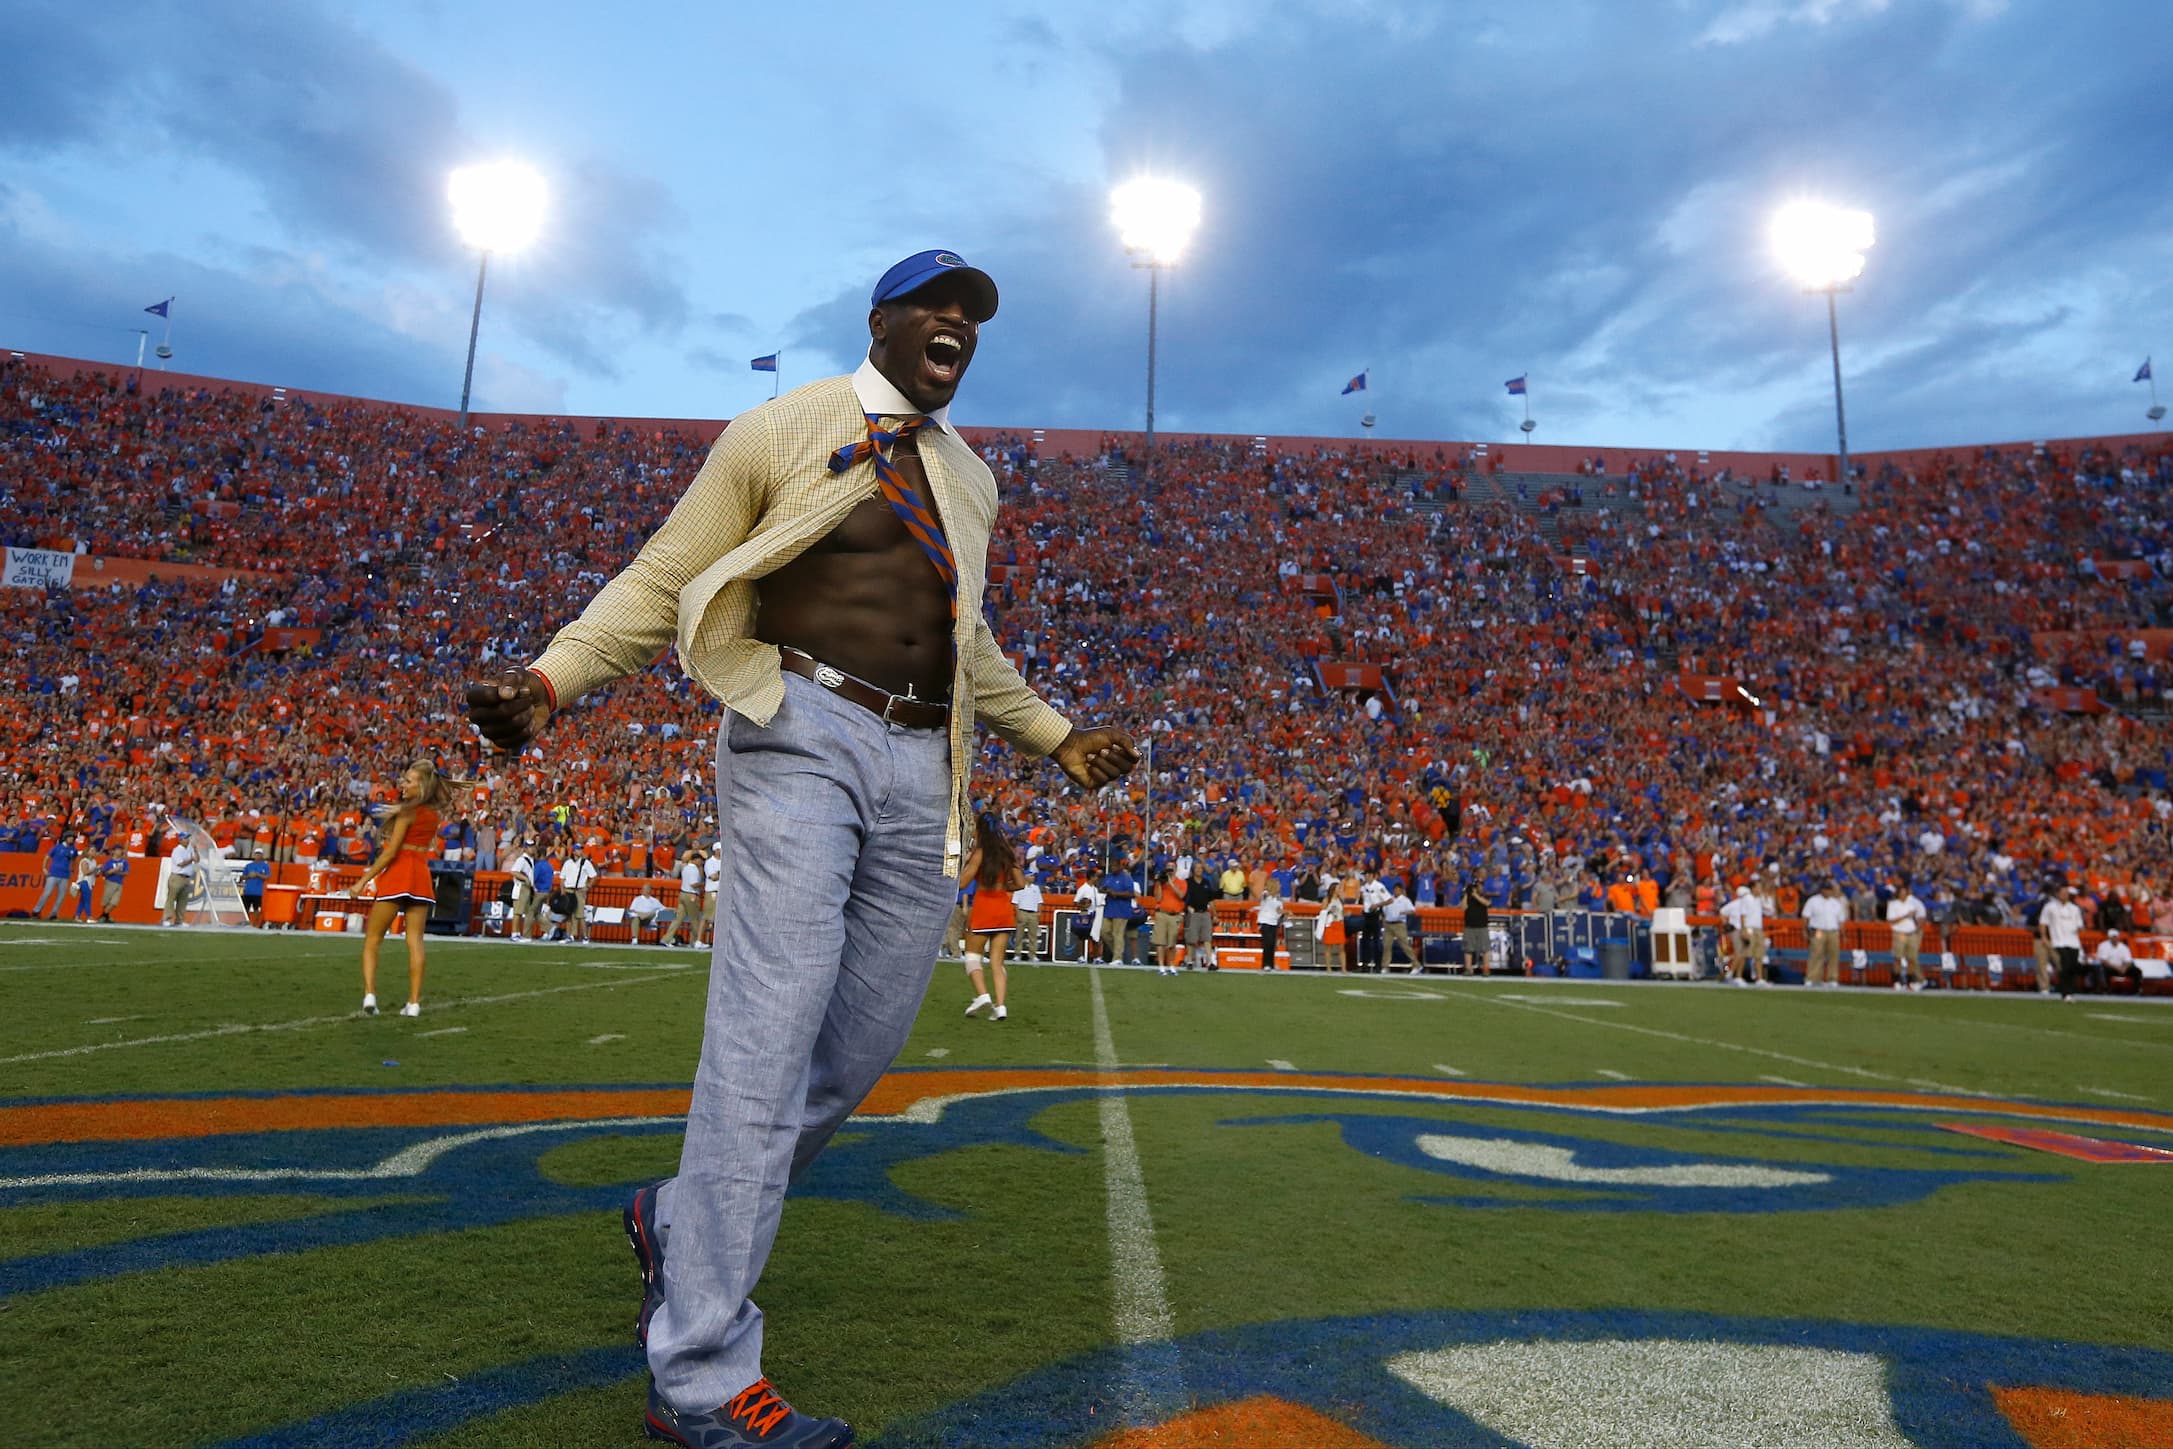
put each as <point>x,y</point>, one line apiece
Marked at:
<point>822,576</point>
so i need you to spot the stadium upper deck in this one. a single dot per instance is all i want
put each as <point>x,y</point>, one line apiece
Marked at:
<point>1906,644</point>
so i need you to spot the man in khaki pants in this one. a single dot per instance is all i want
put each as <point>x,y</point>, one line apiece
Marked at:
<point>181,883</point>
<point>1906,916</point>
<point>694,905</point>
<point>1746,918</point>
<point>1823,916</point>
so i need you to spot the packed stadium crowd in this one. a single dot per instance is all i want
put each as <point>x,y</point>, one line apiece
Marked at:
<point>1527,733</point>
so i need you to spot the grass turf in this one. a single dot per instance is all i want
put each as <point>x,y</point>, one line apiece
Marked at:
<point>885,1316</point>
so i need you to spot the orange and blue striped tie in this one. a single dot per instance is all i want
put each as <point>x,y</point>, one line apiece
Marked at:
<point>919,519</point>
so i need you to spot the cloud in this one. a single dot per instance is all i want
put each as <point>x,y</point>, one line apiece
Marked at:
<point>345,147</point>
<point>1451,225</point>
<point>1446,194</point>
<point>1742,21</point>
<point>270,325</point>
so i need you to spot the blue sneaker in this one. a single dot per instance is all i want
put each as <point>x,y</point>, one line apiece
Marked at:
<point>648,1246</point>
<point>754,1415</point>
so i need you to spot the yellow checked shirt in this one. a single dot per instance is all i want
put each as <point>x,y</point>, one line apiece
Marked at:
<point>765,493</point>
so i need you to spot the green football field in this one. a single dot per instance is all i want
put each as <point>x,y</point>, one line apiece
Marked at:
<point>1216,1209</point>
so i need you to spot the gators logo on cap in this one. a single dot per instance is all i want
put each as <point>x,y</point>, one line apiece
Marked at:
<point>949,259</point>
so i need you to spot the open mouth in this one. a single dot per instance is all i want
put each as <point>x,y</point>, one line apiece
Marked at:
<point>945,356</point>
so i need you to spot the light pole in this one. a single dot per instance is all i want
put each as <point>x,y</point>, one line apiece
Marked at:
<point>1823,248</point>
<point>1155,217</point>
<point>497,207</point>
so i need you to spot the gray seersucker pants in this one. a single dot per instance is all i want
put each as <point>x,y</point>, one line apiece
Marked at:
<point>830,912</point>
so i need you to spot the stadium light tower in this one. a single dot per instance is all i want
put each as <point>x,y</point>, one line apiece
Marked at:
<point>1823,248</point>
<point>497,207</point>
<point>1156,218</point>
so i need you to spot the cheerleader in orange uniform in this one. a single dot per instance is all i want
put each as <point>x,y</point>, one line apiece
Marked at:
<point>398,881</point>
<point>993,869</point>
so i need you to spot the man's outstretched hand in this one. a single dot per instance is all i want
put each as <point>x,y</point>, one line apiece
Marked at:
<point>510,710</point>
<point>1093,758</point>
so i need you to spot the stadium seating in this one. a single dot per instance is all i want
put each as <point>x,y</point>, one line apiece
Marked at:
<point>1958,662</point>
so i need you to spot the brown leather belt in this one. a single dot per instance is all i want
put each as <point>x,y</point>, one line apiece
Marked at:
<point>897,709</point>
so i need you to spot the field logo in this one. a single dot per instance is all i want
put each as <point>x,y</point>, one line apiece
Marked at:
<point>1610,1176</point>
<point>1603,1380</point>
<point>464,1158</point>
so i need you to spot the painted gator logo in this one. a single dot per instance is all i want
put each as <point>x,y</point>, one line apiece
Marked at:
<point>467,1158</point>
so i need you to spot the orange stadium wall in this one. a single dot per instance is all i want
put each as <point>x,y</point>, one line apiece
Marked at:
<point>1055,442</point>
<point>22,876</point>
<point>1518,456</point>
<point>1916,459</point>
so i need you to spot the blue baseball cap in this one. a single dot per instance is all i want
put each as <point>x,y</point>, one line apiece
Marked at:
<point>921,268</point>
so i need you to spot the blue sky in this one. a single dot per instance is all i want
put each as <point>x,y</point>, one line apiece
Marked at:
<point>1446,194</point>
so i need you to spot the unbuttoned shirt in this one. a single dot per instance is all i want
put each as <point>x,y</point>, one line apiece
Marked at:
<point>763,496</point>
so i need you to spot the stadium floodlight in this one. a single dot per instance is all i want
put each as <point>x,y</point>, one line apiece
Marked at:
<point>1823,248</point>
<point>497,207</point>
<point>1155,218</point>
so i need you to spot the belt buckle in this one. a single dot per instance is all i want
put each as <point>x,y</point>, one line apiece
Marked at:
<point>827,677</point>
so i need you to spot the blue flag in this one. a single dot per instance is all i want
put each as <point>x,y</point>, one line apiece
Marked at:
<point>1356,384</point>
<point>158,309</point>
<point>2142,374</point>
<point>764,364</point>
<point>1516,386</point>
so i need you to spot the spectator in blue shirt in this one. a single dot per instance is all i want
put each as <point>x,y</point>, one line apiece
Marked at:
<point>113,873</point>
<point>59,866</point>
<point>1118,893</point>
<point>254,877</point>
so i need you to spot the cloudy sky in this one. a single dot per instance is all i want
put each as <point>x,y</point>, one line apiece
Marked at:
<point>1446,194</point>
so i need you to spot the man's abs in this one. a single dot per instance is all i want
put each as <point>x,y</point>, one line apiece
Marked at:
<point>864,598</point>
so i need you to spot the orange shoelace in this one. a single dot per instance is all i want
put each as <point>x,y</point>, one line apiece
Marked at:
<point>757,1407</point>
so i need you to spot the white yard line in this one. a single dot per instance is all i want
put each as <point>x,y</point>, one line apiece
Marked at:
<point>1139,1293</point>
<point>1613,1075</point>
<point>1729,1046</point>
<point>442,1031</point>
<point>939,1051</point>
<point>1282,1066</point>
<point>1978,1021</point>
<point>2109,1092</point>
<point>1785,1082</point>
<point>219,957</point>
<point>608,1036</point>
<point>1449,1071</point>
<point>303,1023</point>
